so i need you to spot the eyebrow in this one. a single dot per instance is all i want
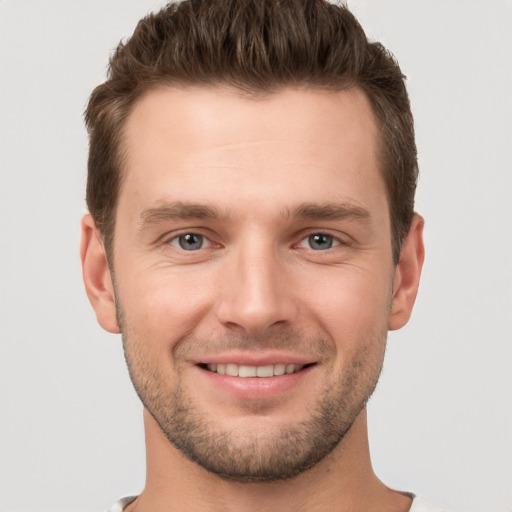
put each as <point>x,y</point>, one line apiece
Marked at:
<point>329,211</point>
<point>178,210</point>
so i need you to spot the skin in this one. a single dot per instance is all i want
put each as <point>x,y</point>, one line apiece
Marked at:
<point>256,178</point>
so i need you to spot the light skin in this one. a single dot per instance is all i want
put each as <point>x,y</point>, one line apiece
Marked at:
<point>254,232</point>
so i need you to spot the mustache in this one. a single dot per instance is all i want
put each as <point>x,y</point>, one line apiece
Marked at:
<point>293,342</point>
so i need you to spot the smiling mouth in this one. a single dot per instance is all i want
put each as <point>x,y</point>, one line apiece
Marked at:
<point>245,371</point>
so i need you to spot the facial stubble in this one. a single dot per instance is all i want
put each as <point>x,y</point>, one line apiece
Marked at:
<point>262,456</point>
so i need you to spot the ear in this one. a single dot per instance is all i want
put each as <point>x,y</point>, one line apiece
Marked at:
<point>96,275</point>
<point>407,275</point>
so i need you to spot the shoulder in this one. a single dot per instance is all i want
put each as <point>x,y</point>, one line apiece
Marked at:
<point>422,505</point>
<point>119,505</point>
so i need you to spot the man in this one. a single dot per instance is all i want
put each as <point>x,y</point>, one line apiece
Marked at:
<point>251,234</point>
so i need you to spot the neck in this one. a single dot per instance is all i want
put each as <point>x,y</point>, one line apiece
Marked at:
<point>343,481</point>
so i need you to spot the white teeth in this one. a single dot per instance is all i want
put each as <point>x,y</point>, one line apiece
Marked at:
<point>232,370</point>
<point>265,371</point>
<point>247,371</point>
<point>279,369</point>
<point>269,370</point>
<point>290,368</point>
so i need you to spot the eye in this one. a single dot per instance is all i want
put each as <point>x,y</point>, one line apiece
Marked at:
<point>189,241</point>
<point>319,242</point>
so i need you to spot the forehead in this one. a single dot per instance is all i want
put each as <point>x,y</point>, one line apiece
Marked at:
<point>210,142</point>
<point>195,114</point>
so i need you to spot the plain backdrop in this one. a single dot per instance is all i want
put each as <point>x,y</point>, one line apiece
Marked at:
<point>71,435</point>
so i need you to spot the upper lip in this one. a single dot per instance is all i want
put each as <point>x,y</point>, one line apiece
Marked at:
<point>255,359</point>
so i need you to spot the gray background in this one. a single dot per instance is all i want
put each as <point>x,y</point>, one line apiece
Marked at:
<point>440,421</point>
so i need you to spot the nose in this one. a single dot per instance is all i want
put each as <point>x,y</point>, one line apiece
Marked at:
<point>255,293</point>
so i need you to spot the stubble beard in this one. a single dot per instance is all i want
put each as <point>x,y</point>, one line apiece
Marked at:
<point>261,456</point>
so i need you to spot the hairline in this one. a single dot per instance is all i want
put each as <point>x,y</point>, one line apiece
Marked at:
<point>249,92</point>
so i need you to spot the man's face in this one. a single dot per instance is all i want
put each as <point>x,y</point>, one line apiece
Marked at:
<point>252,237</point>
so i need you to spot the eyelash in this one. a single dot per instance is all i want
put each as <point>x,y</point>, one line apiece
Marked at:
<point>310,239</point>
<point>176,241</point>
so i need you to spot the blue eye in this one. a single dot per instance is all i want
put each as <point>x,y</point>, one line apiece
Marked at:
<point>189,241</point>
<point>321,241</point>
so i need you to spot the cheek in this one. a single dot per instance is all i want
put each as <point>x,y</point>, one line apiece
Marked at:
<point>163,306</point>
<point>351,303</point>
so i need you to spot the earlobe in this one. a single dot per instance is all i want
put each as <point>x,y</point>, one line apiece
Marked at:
<point>96,275</point>
<point>407,275</point>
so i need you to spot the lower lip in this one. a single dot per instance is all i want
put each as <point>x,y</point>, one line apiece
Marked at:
<point>256,387</point>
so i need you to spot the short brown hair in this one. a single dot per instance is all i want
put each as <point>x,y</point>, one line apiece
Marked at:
<point>256,46</point>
